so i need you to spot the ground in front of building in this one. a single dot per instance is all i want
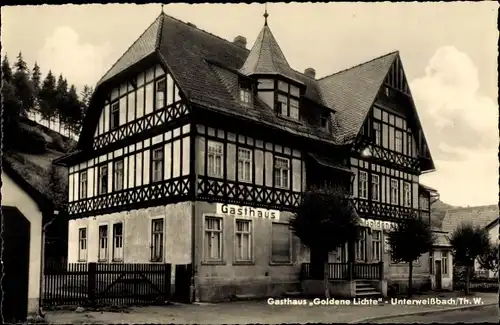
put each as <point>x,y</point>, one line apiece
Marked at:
<point>256,312</point>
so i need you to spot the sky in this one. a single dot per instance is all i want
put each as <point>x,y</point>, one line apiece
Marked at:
<point>448,50</point>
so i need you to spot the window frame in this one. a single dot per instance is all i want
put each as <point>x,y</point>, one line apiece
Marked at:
<point>100,182</point>
<point>377,133</point>
<point>121,236</point>
<point>362,239</point>
<point>105,241</point>
<point>154,160</point>
<point>114,109</point>
<point>82,239</point>
<point>406,194</point>
<point>363,185</point>
<point>444,262</point>
<point>116,177</point>
<point>377,187</point>
<point>377,243</point>
<point>83,190</point>
<point>288,97</point>
<point>392,189</point>
<point>157,90</point>
<point>244,161</point>
<point>290,241</point>
<point>281,170</point>
<point>398,145</point>
<point>161,241</point>
<point>245,95</point>
<point>216,154</point>
<point>249,234</point>
<point>206,231</point>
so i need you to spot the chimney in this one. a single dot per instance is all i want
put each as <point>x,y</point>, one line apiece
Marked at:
<point>192,25</point>
<point>310,72</point>
<point>240,41</point>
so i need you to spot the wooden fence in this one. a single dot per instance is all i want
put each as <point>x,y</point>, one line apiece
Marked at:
<point>101,284</point>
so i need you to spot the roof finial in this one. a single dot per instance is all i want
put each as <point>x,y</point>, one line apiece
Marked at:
<point>162,8</point>
<point>265,15</point>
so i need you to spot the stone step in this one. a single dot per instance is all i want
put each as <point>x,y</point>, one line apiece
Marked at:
<point>245,297</point>
<point>368,293</point>
<point>365,289</point>
<point>363,284</point>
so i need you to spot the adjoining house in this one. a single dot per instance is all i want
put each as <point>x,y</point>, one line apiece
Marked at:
<point>441,262</point>
<point>197,150</point>
<point>28,204</point>
<point>482,216</point>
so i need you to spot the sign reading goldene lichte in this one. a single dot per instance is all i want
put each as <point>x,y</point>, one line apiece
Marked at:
<point>246,211</point>
<point>378,224</point>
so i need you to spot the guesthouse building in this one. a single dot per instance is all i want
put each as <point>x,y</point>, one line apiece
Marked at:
<point>196,150</point>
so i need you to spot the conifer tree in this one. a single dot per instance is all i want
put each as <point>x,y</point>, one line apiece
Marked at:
<point>62,98</point>
<point>36,80</point>
<point>86,96</point>
<point>47,96</point>
<point>74,108</point>
<point>6,69</point>
<point>23,86</point>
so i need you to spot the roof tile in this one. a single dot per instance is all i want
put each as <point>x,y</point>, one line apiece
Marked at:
<point>477,216</point>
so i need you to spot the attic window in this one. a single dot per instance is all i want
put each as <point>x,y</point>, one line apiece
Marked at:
<point>324,122</point>
<point>245,95</point>
<point>115,115</point>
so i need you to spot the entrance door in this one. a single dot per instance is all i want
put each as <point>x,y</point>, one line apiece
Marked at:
<point>438,275</point>
<point>15,256</point>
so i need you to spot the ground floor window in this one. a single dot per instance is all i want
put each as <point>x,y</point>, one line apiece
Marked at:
<point>157,240</point>
<point>444,262</point>
<point>118,242</point>
<point>281,243</point>
<point>377,245</point>
<point>103,243</point>
<point>213,239</point>
<point>243,240</point>
<point>361,246</point>
<point>82,244</point>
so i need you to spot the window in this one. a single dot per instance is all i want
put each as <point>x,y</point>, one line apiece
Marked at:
<point>294,109</point>
<point>361,246</point>
<point>324,122</point>
<point>118,175</point>
<point>363,185</point>
<point>281,243</point>
<point>376,245</point>
<point>394,191</point>
<point>342,253</point>
<point>377,133</point>
<point>213,239</point>
<point>444,262</point>
<point>103,243</point>
<point>215,158</point>
<point>82,244</point>
<point>157,164</point>
<point>375,187</point>
<point>157,240</point>
<point>83,185</point>
<point>160,93</point>
<point>115,115</point>
<point>281,105</point>
<point>281,172</point>
<point>102,181</point>
<point>118,242</point>
<point>244,165</point>
<point>399,141</point>
<point>245,95</point>
<point>243,249</point>
<point>406,194</point>
<point>424,202</point>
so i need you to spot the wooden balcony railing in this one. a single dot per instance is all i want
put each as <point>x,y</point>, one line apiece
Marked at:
<point>349,271</point>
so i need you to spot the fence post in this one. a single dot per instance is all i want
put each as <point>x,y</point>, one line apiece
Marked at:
<point>381,270</point>
<point>168,282</point>
<point>349,271</point>
<point>91,283</point>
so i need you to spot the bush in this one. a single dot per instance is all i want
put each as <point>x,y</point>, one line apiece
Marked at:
<point>30,142</point>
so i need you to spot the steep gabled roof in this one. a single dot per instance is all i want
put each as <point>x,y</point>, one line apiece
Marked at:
<point>351,92</point>
<point>266,57</point>
<point>145,45</point>
<point>477,216</point>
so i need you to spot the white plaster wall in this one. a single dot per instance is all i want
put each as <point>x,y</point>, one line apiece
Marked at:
<point>136,234</point>
<point>13,195</point>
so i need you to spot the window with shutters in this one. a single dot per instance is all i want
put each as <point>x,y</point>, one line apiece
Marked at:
<point>118,242</point>
<point>243,238</point>
<point>213,239</point>
<point>281,243</point>
<point>103,243</point>
<point>82,244</point>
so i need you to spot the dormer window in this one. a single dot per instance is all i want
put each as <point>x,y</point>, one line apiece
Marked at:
<point>387,91</point>
<point>324,119</point>
<point>287,104</point>
<point>245,95</point>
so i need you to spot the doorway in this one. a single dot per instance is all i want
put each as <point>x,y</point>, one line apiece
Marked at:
<point>438,275</point>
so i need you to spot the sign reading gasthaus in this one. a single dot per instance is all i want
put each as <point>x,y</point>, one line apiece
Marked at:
<point>245,211</point>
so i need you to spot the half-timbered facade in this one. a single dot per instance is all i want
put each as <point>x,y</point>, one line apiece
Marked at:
<point>197,150</point>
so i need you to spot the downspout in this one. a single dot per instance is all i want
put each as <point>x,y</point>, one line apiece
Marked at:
<point>42,263</point>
